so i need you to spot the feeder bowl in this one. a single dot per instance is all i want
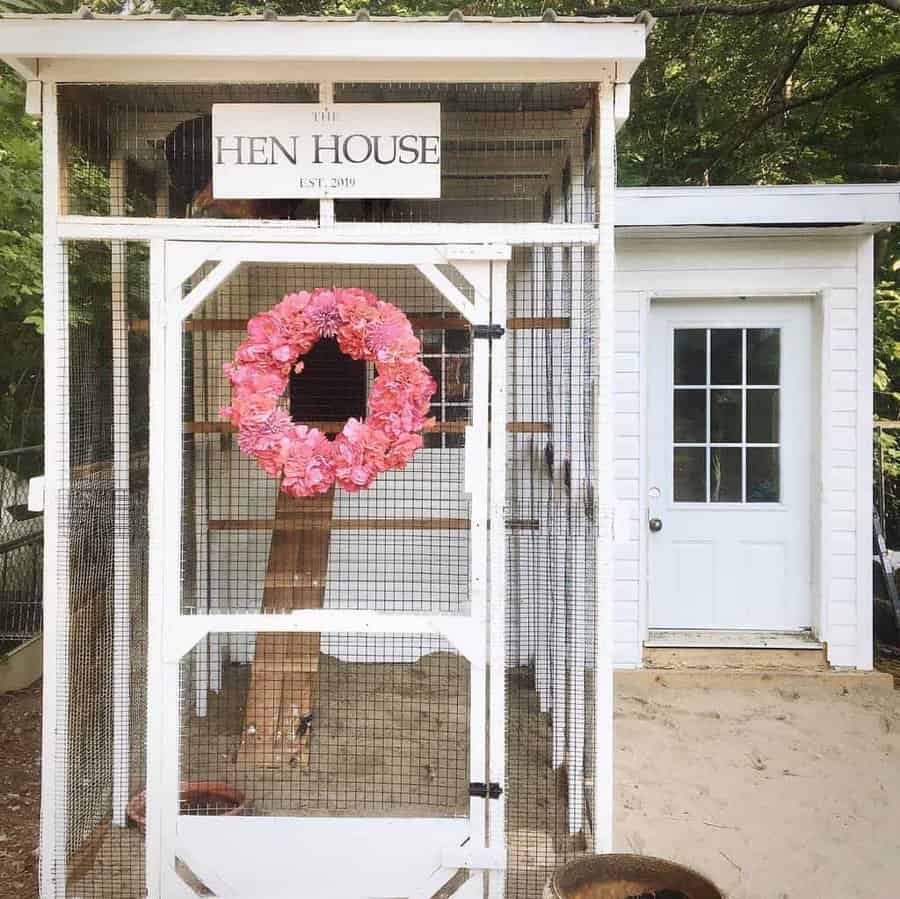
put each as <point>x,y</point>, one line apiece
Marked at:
<point>196,797</point>
<point>624,876</point>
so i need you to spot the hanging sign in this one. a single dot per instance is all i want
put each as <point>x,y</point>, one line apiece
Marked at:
<point>363,150</point>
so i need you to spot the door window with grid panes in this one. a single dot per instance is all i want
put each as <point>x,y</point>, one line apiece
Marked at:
<point>448,354</point>
<point>726,415</point>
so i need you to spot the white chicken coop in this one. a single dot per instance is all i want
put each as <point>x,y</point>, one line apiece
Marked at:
<point>398,691</point>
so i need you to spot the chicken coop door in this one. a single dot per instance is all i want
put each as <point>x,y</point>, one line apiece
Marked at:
<point>326,691</point>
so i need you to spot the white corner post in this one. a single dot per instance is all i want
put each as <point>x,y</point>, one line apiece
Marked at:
<point>158,563</point>
<point>55,768</point>
<point>497,618</point>
<point>603,353</point>
<point>121,698</point>
<point>865,309</point>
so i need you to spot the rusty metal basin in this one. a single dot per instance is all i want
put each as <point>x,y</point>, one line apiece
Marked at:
<point>625,876</point>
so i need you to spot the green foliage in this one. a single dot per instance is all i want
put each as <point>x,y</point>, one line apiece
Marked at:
<point>793,94</point>
<point>887,381</point>
<point>21,292</point>
<point>723,100</point>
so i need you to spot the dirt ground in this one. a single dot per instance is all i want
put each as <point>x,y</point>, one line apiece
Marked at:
<point>20,772</point>
<point>788,792</point>
<point>777,792</point>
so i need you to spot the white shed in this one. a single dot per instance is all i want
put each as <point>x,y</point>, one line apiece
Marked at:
<point>743,396</point>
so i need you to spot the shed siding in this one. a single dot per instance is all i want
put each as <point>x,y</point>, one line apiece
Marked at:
<point>840,268</point>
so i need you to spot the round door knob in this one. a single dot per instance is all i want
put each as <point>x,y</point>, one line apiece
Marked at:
<point>655,525</point>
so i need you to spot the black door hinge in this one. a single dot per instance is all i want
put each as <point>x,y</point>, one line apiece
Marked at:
<point>487,332</point>
<point>485,791</point>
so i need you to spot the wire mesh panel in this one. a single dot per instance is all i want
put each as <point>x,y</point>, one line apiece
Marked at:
<point>368,726</point>
<point>21,549</point>
<point>389,737</point>
<point>550,620</point>
<point>510,152</point>
<point>399,546</point>
<point>101,651</point>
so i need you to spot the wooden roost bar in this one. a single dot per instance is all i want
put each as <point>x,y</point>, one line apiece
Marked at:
<point>284,678</point>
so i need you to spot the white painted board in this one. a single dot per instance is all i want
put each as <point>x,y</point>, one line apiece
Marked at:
<point>313,150</point>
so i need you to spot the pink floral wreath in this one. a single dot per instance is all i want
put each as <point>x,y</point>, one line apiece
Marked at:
<point>303,457</point>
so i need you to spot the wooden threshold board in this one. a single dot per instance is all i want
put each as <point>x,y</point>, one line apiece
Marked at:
<point>702,638</point>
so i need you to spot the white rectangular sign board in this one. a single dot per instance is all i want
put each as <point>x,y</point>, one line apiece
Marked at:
<point>364,150</point>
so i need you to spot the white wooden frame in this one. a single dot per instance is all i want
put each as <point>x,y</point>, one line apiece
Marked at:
<point>85,227</point>
<point>478,636</point>
<point>54,749</point>
<point>603,341</point>
<point>151,49</point>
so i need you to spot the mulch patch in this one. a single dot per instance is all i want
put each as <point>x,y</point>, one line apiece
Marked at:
<point>20,791</point>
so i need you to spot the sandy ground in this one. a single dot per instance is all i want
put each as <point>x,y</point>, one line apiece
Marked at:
<point>776,792</point>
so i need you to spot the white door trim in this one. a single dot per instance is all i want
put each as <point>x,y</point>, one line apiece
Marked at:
<point>821,306</point>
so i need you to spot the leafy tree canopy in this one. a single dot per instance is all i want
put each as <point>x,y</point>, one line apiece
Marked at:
<point>732,92</point>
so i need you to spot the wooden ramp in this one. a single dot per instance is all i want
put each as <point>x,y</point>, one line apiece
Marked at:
<point>285,671</point>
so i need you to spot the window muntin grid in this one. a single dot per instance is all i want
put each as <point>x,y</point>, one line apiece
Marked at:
<point>447,352</point>
<point>726,400</point>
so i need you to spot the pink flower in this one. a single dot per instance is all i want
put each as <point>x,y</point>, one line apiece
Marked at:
<point>266,328</point>
<point>291,306</point>
<point>308,468</point>
<point>359,455</point>
<point>251,408</point>
<point>322,312</point>
<point>256,379</point>
<point>402,450</point>
<point>252,353</point>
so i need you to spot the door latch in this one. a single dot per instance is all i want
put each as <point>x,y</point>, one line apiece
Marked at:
<point>488,332</point>
<point>485,791</point>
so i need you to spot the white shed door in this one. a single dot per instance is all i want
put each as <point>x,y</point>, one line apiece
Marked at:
<point>730,464</point>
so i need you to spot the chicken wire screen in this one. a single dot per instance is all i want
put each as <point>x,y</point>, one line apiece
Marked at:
<point>379,728</point>
<point>550,622</point>
<point>101,650</point>
<point>21,549</point>
<point>401,545</point>
<point>510,152</point>
<point>417,764</point>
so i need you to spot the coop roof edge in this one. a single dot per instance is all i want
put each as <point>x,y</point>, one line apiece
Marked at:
<point>129,48</point>
<point>756,206</point>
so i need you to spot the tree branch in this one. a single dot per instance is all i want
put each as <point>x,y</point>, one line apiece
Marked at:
<point>782,106</point>
<point>761,8</point>
<point>777,87</point>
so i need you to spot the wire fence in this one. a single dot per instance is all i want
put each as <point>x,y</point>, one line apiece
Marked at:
<point>21,549</point>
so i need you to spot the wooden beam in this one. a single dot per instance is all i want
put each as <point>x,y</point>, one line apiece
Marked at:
<point>284,681</point>
<point>419,322</point>
<point>538,324</point>
<point>335,427</point>
<point>360,524</point>
<point>311,523</point>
